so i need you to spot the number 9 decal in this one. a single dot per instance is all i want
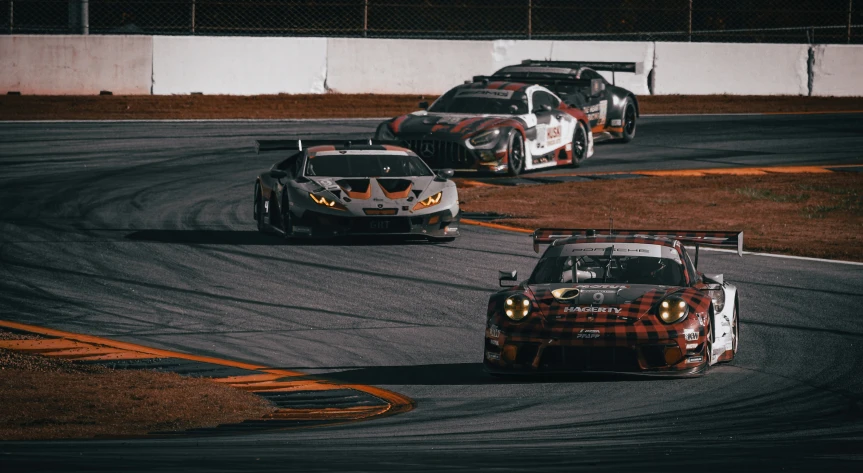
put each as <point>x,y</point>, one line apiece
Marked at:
<point>598,298</point>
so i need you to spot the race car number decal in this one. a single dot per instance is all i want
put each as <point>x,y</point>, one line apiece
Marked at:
<point>552,136</point>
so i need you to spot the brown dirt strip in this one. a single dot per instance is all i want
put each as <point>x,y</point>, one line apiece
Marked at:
<point>815,215</point>
<point>51,398</point>
<point>356,106</point>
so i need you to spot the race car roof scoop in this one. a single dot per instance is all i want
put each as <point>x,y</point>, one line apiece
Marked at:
<point>733,239</point>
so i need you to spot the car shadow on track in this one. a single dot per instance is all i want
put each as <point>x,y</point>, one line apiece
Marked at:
<point>252,237</point>
<point>460,374</point>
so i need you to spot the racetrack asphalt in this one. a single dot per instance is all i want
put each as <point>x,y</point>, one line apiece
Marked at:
<point>144,233</point>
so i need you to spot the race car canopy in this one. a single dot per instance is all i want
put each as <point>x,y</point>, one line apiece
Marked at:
<point>546,236</point>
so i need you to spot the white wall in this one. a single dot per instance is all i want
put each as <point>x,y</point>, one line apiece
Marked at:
<point>402,66</point>
<point>238,65</point>
<point>76,65</point>
<point>740,69</point>
<point>837,70</point>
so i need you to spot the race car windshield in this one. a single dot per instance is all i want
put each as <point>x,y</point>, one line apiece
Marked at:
<point>366,165</point>
<point>481,102</point>
<point>605,269</point>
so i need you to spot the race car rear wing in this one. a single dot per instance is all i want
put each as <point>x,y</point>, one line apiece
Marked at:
<point>632,67</point>
<point>722,239</point>
<point>301,144</point>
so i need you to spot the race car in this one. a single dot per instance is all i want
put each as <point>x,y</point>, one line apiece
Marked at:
<point>625,301</point>
<point>612,110</point>
<point>332,188</point>
<point>494,127</point>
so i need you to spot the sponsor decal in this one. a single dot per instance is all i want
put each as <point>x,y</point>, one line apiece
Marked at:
<point>587,333</point>
<point>729,346</point>
<point>484,93</point>
<point>552,136</point>
<point>695,359</point>
<point>492,356</point>
<point>691,346</point>
<point>690,335</point>
<point>617,122</point>
<point>494,342</point>
<point>449,120</point>
<point>603,286</point>
<point>596,310</point>
<point>304,230</point>
<point>492,332</point>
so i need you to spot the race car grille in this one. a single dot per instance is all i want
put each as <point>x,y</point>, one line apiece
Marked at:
<point>439,154</point>
<point>589,359</point>
<point>380,225</point>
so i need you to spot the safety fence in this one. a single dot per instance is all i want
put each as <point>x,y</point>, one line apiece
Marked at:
<point>757,21</point>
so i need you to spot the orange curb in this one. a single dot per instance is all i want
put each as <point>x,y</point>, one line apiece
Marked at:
<point>496,226</point>
<point>88,347</point>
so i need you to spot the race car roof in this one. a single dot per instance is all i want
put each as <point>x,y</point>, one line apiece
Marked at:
<point>497,85</point>
<point>322,150</point>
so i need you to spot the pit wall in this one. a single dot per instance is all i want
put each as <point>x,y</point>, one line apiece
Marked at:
<point>138,65</point>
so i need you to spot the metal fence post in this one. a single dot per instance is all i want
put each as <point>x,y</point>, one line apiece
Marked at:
<point>690,21</point>
<point>193,16</point>
<point>85,17</point>
<point>529,18</point>
<point>850,9</point>
<point>366,19</point>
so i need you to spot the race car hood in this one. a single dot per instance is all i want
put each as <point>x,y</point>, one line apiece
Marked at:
<point>451,126</point>
<point>367,195</point>
<point>608,302</point>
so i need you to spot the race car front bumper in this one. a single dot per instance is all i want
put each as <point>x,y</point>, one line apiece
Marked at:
<point>637,352</point>
<point>441,224</point>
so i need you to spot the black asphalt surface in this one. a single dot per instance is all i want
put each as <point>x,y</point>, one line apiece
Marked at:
<point>143,232</point>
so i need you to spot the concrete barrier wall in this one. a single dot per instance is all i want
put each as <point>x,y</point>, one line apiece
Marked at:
<point>739,69</point>
<point>401,66</point>
<point>837,70</point>
<point>57,65</point>
<point>238,65</point>
<point>76,65</point>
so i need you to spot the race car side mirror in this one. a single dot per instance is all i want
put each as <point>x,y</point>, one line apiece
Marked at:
<point>277,174</point>
<point>444,174</point>
<point>507,278</point>
<point>424,105</point>
<point>714,278</point>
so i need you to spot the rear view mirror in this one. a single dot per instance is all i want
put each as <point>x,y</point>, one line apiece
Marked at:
<point>424,105</point>
<point>508,278</point>
<point>444,174</point>
<point>597,87</point>
<point>277,174</point>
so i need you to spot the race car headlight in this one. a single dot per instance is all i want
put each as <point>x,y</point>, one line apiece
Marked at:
<point>330,204</point>
<point>429,202</point>
<point>485,139</point>
<point>516,307</point>
<point>673,309</point>
<point>718,296</point>
<point>385,133</point>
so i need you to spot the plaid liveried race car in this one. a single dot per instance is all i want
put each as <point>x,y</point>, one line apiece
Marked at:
<point>335,188</point>
<point>612,110</point>
<point>628,301</point>
<point>496,127</point>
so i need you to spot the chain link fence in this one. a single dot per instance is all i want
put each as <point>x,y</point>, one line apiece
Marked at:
<point>773,21</point>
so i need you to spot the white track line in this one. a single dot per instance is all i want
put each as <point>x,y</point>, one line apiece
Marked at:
<point>771,255</point>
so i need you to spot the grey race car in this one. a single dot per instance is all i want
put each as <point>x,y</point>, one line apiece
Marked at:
<point>335,188</point>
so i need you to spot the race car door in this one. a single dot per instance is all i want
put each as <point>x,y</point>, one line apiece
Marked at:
<point>597,103</point>
<point>553,129</point>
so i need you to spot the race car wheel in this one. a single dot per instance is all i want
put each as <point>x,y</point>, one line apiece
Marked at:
<point>629,118</point>
<point>285,217</point>
<point>259,209</point>
<point>516,154</point>
<point>735,332</point>
<point>579,145</point>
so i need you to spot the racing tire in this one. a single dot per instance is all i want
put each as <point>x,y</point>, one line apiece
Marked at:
<point>285,218</point>
<point>259,210</point>
<point>515,159</point>
<point>629,121</point>
<point>579,145</point>
<point>735,332</point>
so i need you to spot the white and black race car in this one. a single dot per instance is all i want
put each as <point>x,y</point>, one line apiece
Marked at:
<point>333,188</point>
<point>495,127</point>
